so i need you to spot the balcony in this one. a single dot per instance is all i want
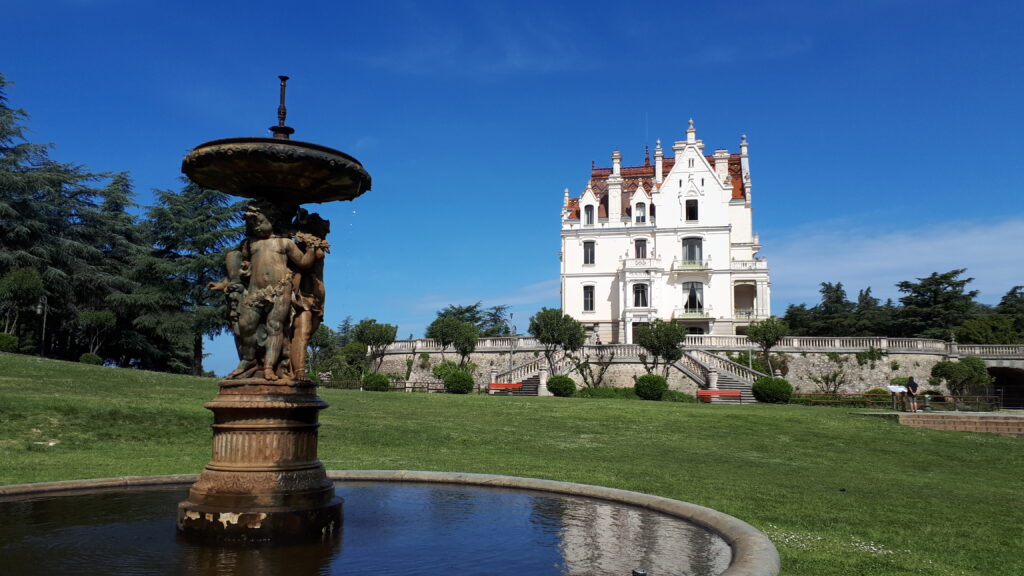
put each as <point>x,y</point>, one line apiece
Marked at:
<point>749,264</point>
<point>743,313</point>
<point>641,264</point>
<point>690,313</point>
<point>691,265</point>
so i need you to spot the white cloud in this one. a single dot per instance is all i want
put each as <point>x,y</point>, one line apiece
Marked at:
<point>860,256</point>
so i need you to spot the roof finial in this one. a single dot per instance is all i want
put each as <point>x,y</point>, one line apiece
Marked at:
<point>282,131</point>
<point>647,155</point>
<point>691,133</point>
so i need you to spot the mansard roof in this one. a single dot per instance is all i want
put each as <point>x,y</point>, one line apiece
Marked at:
<point>633,176</point>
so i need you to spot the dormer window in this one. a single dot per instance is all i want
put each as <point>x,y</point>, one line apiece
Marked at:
<point>641,213</point>
<point>588,214</point>
<point>691,210</point>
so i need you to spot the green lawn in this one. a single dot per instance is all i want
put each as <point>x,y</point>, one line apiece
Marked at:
<point>837,493</point>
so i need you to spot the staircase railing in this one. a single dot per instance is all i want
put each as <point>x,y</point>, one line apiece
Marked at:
<point>739,371</point>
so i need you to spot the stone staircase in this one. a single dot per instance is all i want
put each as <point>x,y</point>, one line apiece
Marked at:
<point>731,376</point>
<point>1004,424</point>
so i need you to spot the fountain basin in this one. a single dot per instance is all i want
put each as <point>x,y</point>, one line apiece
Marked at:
<point>447,522</point>
<point>276,169</point>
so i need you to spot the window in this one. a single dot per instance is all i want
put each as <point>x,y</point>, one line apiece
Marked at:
<point>588,252</point>
<point>640,295</point>
<point>691,162</point>
<point>640,248</point>
<point>588,298</point>
<point>588,214</point>
<point>641,213</point>
<point>693,296</point>
<point>691,209</point>
<point>693,252</point>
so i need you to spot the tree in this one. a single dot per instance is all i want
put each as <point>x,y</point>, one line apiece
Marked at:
<point>191,231</point>
<point>490,322</point>
<point>376,337</point>
<point>969,374</point>
<point>591,363</point>
<point>465,340</point>
<point>444,330</point>
<point>96,325</point>
<point>988,329</point>
<point>20,291</point>
<point>322,350</point>
<point>766,334</point>
<point>1012,305</point>
<point>935,306</point>
<point>555,331</point>
<point>663,343</point>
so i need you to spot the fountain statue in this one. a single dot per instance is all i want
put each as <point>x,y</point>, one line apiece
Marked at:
<point>264,481</point>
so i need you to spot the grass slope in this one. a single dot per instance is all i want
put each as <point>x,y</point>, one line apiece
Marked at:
<point>837,493</point>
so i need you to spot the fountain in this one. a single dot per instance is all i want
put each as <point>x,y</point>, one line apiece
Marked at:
<point>265,502</point>
<point>264,480</point>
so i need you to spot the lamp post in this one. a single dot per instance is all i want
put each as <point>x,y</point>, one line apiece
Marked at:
<point>43,308</point>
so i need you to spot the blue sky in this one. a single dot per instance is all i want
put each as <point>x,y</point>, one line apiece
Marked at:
<point>884,135</point>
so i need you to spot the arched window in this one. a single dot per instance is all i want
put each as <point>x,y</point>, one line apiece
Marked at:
<point>640,296</point>
<point>693,252</point>
<point>693,297</point>
<point>640,248</point>
<point>641,213</point>
<point>588,214</point>
<point>588,298</point>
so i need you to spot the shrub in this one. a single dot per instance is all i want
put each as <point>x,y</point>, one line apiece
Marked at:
<point>677,396</point>
<point>877,390</point>
<point>899,381</point>
<point>937,395</point>
<point>8,343</point>
<point>442,369</point>
<point>772,390</point>
<point>90,358</point>
<point>561,386</point>
<point>376,382</point>
<point>458,382</point>
<point>650,387</point>
<point>616,393</point>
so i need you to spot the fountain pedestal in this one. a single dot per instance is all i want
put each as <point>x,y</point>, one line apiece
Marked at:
<point>264,480</point>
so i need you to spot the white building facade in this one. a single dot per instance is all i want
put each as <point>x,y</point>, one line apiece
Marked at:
<point>671,240</point>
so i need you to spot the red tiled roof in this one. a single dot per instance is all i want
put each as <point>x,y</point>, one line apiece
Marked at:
<point>633,176</point>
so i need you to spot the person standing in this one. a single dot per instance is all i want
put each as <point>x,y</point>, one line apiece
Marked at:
<point>912,395</point>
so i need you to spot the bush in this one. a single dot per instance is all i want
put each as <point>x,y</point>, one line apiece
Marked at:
<point>650,387</point>
<point>375,382</point>
<point>677,396</point>
<point>90,358</point>
<point>899,381</point>
<point>561,386</point>
<point>458,382</point>
<point>442,369</point>
<point>8,343</point>
<point>937,395</point>
<point>772,390</point>
<point>877,390</point>
<point>616,393</point>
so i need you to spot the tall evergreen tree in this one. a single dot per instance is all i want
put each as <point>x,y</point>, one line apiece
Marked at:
<point>936,305</point>
<point>191,230</point>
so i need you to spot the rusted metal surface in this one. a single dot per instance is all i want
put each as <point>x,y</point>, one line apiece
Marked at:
<point>264,481</point>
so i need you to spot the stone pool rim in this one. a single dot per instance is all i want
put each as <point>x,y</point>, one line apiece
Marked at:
<point>753,554</point>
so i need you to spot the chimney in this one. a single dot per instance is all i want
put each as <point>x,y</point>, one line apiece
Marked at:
<point>615,190</point>
<point>658,165</point>
<point>721,165</point>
